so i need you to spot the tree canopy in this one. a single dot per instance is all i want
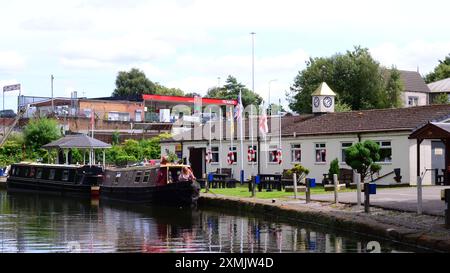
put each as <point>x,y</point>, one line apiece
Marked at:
<point>362,157</point>
<point>135,83</point>
<point>358,80</point>
<point>39,132</point>
<point>442,98</point>
<point>440,72</point>
<point>231,91</point>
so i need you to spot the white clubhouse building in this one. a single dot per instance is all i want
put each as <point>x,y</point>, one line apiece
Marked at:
<point>314,140</point>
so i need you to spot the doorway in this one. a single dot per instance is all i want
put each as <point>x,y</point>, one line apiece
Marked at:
<point>437,160</point>
<point>197,161</point>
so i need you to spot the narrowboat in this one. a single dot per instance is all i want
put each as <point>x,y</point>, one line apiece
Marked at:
<point>149,184</point>
<point>62,179</point>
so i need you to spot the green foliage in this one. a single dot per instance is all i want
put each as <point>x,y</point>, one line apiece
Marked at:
<point>391,95</point>
<point>342,107</point>
<point>440,72</point>
<point>116,138</point>
<point>124,160</point>
<point>442,98</point>
<point>334,168</point>
<point>231,91</point>
<point>136,83</point>
<point>172,158</point>
<point>39,132</point>
<point>10,152</point>
<point>355,76</point>
<point>362,157</point>
<point>298,169</point>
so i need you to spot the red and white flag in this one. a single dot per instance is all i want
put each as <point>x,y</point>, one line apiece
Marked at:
<point>263,126</point>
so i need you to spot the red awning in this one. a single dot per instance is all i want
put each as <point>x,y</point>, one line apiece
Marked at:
<point>189,100</point>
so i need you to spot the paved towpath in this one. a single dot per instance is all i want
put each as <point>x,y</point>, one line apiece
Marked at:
<point>404,199</point>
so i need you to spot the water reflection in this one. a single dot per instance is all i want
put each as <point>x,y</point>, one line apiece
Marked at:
<point>42,223</point>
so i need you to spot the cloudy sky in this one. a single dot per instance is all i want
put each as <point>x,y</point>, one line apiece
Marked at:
<point>190,44</point>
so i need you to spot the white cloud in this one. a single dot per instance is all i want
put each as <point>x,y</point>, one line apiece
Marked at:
<point>424,55</point>
<point>11,61</point>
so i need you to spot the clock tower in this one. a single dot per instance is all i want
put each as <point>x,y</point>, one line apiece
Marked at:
<point>323,99</point>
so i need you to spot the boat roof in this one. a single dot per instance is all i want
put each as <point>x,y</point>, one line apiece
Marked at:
<point>34,164</point>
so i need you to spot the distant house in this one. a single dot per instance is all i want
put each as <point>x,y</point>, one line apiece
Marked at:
<point>442,86</point>
<point>415,91</point>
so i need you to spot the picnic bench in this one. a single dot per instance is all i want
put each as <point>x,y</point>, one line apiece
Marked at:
<point>222,178</point>
<point>270,182</point>
<point>345,177</point>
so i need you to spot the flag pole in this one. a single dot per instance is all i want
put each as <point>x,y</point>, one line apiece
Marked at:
<point>220,140</point>
<point>241,120</point>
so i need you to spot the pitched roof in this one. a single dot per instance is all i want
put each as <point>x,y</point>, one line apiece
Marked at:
<point>77,141</point>
<point>369,121</point>
<point>440,86</point>
<point>381,120</point>
<point>323,90</point>
<point>413,82</point>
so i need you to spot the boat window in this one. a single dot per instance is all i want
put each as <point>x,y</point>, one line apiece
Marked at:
<point>116,179</point>
<point>13,171</point>
<point>32,172</point>
<point>65,176</point>
<point>146,176</point>
<point>27,171</point>
<point>39,173</point>
<point>137,179</point>
<point>51,176</point>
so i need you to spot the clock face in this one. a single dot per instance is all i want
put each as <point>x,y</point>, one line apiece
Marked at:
<point>316,102</point>
<point>327,102</point>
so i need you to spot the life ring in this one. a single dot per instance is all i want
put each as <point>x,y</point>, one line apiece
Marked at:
<point>279,157</point>
<point>230,158</point>
<point>251,155</point>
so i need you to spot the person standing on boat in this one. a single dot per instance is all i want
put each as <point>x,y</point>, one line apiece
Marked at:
<point>186,175</point>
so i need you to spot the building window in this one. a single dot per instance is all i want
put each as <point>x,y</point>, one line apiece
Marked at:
<point>138,116</point>
<point>321,153</point>
<point>255,152</point>
<point>65,176</point>
<point>137,179</point>
<point>413,101</point>
<point>273,149</point>
<point>215,154</point>
<point>51,175</point>
<point>88,113</point>
<point>345,146</point>
<point>296,153</point>
<point>234,150</point>
<point>385,151</point>
<point>117,116</point>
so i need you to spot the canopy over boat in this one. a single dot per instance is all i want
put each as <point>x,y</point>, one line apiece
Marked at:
<point>77,141</point>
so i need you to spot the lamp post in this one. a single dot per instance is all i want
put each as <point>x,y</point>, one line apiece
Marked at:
<point>270,107</point>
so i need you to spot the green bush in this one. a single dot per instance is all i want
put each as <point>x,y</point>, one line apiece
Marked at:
<point>334,168</point>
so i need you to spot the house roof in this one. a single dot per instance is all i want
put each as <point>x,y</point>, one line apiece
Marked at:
<point>432,130</point>
<point>323,90</point>
<point>413,82</point>
<point>401,119</point>
<point>381,120</point>
<point>440,86</point>
<point>77,141</point>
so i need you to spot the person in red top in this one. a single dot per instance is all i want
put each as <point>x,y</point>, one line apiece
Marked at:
<point>162,173</point>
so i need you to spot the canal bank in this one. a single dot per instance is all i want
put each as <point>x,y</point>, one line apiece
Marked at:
<point>425,231</point>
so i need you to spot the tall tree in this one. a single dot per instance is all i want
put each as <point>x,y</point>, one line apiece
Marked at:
<point>39,132</point>
<point>355,76</point>
<point>135,83</point>
<point>391,96</point>
<point>440,72</point>
<point>231,91</point>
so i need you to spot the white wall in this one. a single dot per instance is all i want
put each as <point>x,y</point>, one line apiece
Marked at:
<point>423,98</point>
<point>425,161</point>
<point>403,155</point>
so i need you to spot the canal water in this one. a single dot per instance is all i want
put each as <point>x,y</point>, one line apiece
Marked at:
<point>44,223</point>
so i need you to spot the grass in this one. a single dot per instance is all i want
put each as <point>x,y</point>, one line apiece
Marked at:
<point>242,191</point>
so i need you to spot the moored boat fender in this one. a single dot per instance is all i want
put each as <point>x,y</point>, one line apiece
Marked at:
<point>230,158</point>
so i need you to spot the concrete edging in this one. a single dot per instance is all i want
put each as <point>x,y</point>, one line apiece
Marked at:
<point>341,222</point>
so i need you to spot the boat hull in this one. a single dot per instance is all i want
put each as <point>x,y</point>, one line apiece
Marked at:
<point>180,193</point>
<point>58,187</point>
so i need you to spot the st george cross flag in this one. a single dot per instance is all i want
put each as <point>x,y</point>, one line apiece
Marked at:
<point>263,126</point>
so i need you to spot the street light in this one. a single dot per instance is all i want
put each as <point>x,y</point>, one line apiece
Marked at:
<point>270,107</point>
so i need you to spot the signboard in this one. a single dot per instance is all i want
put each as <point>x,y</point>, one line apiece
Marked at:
<point>9,88</point>
<point>197,106</point>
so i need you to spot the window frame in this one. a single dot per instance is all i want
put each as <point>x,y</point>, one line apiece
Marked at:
<point>293,150</point>
<point>235,151</point>
<point>215,152</point>
<point>255,148</point>
<point>380,143</point>
<point>271,153</point>
<point>345,148</point>
<point>318,149</point>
